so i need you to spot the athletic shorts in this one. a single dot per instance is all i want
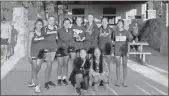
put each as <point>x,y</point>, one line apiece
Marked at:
<point>50,46</point>
<point>107,49</point>
<point>79,45</point>
<point>120,52</point>
<point>64,51</point>
<point>4,41</point>
<point>37,51</point>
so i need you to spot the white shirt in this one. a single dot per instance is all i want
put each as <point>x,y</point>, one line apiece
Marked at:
<point>5,30</point>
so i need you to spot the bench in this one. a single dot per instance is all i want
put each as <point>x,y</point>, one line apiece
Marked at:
<point>143,54</point>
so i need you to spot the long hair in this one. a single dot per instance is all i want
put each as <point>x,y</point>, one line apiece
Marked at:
<point>100,62</point>
<point>39,20</point>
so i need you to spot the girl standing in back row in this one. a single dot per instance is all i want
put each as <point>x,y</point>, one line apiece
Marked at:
<point>92,31</point>
<point>36,39</point>
<point>50,48</point>
<point>121,38</point>
<point>105,42</point>
<point>79,34</point>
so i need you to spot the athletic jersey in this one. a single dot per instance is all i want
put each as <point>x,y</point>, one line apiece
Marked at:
<point>121,39</point>
<point>37,39</point>
<point>79,30</point>
<point>92,34</point>
<point>104,36</point>
<point>65,38</point>
<point>51,34</point>
<point>5,30</point>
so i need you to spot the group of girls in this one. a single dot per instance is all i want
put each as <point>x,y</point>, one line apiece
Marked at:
<point>88,48</point>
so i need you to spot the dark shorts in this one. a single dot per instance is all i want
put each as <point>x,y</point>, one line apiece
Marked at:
<point>50,46</point>
<point>4,41</point>
<point>64,51</point>
<point>79,45</point>
<point>118,52</point>
<point>107,49</point>
<point>37,51</point>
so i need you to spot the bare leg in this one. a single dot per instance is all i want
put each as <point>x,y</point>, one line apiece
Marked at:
<point>118,60</point>
<point>125,71</point>
<point>65,67</point>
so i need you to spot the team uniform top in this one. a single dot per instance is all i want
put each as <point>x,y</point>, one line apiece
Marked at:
<point>50,39</point>
<point>91,40</point>
<point>50,34</point>
<point>79,30</point>
<point>105,40</point>
<point>37,44</point>
<point>121,39</point>
<point>65,39</point>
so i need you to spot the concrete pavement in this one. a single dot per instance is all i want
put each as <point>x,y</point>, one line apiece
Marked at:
<point>142,80</point>
<point>16,81</point>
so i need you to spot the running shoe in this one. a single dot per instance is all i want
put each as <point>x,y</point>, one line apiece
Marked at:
<point>78,91</point>
<point>59,82</point>
<point>32,84</point>
<point>117,83</point>
<point>37,88</point>
<point>125,84</point>
<point>46,85</point>
<point>51,83</point>
<point>64,82</point>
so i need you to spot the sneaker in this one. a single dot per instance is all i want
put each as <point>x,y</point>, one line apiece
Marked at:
<point>125,84</point>
<point>37,88</point>
<point>95,88</point>
<point>78,91</point>
<point>59,82</point>
<point>51,83</point>
<point>32,84</point>
<point>64,82</point>
<point>117,83</point>
<point>46,85</point>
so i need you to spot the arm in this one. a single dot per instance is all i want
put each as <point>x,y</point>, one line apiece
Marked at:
<point>30,43</point>
<point>130,37</point>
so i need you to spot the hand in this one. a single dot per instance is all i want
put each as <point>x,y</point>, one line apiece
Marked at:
<point>30,59</point>
<point>9,41</point>
<point>78,38</point>
<point>56,37</point>
<point>83,38</point>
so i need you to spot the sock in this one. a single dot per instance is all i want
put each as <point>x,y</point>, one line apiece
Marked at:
<point>64,77</point>
<point>59,77</point>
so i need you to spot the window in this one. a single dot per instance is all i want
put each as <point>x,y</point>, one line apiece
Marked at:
<point>78,11</point>
<point>109,10</point>
<point>111,19</point>
<point>137,17</point>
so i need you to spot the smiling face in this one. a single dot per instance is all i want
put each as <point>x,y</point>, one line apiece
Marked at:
<point>79,21</point>
<point>120,24</point>
<point>104,22</point>
<point>97,52</point>
<point>66,24</point>
<point>51,20</point>
<point>39,25</point>
<point>90,18</point>
<point>83,54</point>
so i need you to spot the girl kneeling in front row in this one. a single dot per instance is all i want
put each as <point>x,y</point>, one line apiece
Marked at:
<point>80,73</point>
<point>99,70</point>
